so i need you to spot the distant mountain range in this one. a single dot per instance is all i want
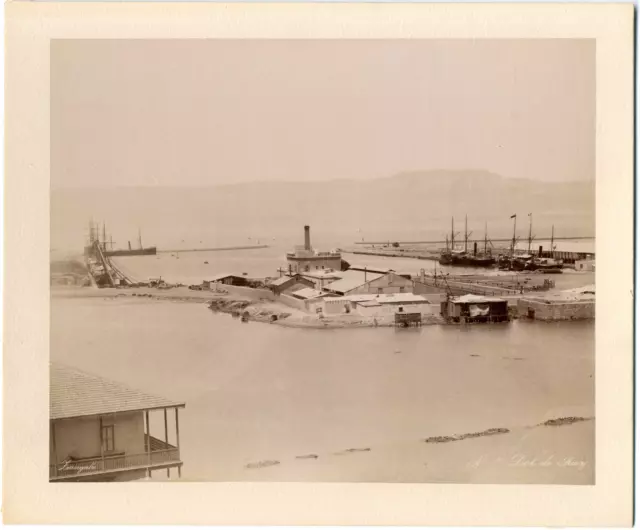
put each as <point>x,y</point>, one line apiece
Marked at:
<point>405,205</point>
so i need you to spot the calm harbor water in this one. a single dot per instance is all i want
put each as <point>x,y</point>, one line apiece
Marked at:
<point>259,392</point>
<point>194,267</point>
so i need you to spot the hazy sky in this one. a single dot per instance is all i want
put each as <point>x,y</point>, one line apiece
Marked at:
<point>203,112</point>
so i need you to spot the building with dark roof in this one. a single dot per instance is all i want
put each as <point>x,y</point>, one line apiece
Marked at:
<point>99,429</point>
<point>289,284</point>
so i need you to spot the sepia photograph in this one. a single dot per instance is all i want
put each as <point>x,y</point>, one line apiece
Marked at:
<point>322,264</point>
<point>288,260</point>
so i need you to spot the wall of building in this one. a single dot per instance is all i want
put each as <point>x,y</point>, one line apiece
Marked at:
<point>129,431</point>
<point>333,306</point>
<point>296,286</point>
<point>77,437</point>
<point>320,283</point>
<point>294,303</point>
<point>582,310</point>
<point>315,264</point>
<point>392,309</point>
<point>585,265</point>
<point>80,437</point>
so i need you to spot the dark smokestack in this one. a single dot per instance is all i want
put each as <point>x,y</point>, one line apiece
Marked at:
<point>475,248</point>
<point>540,251</point>
<point>307,238</point>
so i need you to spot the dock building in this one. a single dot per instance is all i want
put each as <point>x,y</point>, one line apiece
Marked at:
<point>474,308</point>
<point>305,259</point>
<point>365,282</point>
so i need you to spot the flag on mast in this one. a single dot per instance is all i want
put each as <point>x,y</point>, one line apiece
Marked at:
<point>512,216</point>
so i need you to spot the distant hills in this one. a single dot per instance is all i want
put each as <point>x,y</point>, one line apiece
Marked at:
<point>406,205</point>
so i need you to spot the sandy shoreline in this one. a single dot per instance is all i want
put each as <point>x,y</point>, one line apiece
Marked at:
<point>258,311</point>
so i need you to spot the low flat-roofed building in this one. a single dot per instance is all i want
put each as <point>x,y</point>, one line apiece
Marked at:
<point>572,304</point>
<point>308,293</point>
<point>99,429</point>
<point>322,278</point>
<point>372,304</point>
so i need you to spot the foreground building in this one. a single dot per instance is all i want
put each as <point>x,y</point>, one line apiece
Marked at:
<point>99,430</point>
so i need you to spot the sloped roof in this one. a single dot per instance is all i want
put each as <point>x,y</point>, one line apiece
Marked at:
<point>74,393</point>
<point>281,281</point>
<point>351,280</point>
<point>219,277</point>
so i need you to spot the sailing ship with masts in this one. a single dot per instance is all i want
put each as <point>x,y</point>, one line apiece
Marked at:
<point>107,245</point>
<point>526,261</point>
<point>463,257</point>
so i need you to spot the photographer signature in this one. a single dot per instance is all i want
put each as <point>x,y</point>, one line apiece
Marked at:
<point>524,461</point>
<point>70,465</point>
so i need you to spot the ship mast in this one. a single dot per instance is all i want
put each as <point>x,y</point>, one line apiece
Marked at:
<point>552,227</point>
<point>453,246</point>
<point>466,234</point>
<point>530,238</point>
<point>485,238</point>
<point>513,241</point>
<point>140,238</point>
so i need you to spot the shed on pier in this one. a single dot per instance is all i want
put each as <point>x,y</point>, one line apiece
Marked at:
<point>474,308</point>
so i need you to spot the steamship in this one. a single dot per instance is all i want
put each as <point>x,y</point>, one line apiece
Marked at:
<point>106,246</point>
<point>140,251</point>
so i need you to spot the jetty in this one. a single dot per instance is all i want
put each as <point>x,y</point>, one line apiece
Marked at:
<point>214,249</point>
<point>445,241</point>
